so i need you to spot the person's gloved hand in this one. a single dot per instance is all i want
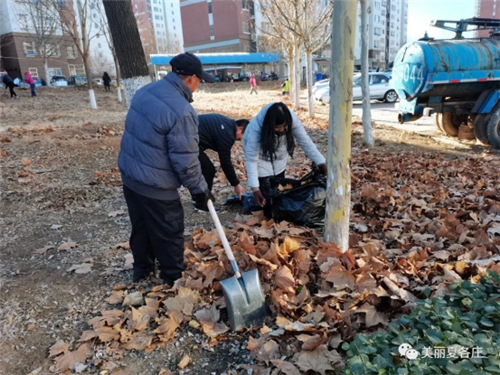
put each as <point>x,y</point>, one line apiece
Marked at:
<point>322,169</point>
<point>259,198</point>
<point>201,200</point>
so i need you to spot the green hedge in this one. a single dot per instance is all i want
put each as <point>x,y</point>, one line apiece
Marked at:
<point>467,317</point>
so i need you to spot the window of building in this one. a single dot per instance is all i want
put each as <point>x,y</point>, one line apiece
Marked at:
<point>71,52</point>
<point>212,30</point>
<point>384,3</point>
<point>171,5</point>
<point>157,25</point>
<point>52,50</point>
<point>246,27</point>
<point>29,48</point>
<point>172,13</point>
<point>80,70</point>
<point>157,18</point>
<point>156,9</point>
<point>375,44</point>
<point>33,72</point>
<point>244,4</point>
<point>173,20</point>
<point>99,45</point>
<point>158,33</point>
<point>100,54</point>
<point>174,27</point>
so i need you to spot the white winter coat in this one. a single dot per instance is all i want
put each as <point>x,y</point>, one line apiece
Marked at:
<point>258,167</point>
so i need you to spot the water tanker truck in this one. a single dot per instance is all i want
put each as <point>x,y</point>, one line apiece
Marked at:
<point>457,79</point>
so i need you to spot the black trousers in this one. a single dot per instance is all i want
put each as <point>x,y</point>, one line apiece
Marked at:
<point>207,169</point>
<point>11,89</point>
<point>157,233</point>
<point>268,186</point>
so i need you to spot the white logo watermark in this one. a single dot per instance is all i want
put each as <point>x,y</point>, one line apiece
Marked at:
<point>407,351</point>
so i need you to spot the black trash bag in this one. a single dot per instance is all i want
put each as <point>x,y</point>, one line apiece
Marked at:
<point>304,204</point>
<point>247,201</point>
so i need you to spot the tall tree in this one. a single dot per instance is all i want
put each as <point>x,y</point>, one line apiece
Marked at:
<point>37,20</point>
<point>315,32</point>
<point>338,199</point>
<point>365,75</point>
<point>75,17</point>
<point>283,17</point>
<point>102,22</point>
<point>127,41</point>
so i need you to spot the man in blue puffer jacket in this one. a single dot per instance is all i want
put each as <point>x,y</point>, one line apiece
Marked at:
<point>159,153</point>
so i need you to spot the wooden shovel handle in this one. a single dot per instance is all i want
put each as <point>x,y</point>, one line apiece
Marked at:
<point>223,239</point>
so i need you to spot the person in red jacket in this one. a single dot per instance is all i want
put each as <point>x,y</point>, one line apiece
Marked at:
<point>253,85</point>
<point>30,81</point>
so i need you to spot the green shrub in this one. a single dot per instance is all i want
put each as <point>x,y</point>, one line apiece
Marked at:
<point>468,316</point>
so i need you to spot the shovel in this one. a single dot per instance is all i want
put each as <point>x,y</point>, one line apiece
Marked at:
<point>245,301</point>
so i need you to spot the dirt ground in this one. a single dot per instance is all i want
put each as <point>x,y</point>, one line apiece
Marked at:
<point>60,186</point>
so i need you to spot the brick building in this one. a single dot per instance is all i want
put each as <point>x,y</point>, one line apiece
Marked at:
<point>144,16</point>
<point>218,25</point>
<point>487,9</point>
<point>19,53</point>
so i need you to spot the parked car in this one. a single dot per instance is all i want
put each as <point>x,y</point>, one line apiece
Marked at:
<point>77,81</point>
<point>58,81</point>
<point>380,89</point>
<point>38,82</point>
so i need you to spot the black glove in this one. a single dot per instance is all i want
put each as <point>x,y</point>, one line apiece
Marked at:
<point>201,200</point>
<point>323,170</point>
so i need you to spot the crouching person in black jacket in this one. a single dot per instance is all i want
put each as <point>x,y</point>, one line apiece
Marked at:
<point>218,133</point>
<point>159,153</point>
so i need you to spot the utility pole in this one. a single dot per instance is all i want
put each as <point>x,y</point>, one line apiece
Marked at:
<point>365,77</point>
<point>338,199</point>
<point>127,42</point>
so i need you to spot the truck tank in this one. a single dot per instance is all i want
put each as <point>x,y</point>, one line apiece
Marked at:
<point>457,79</point>
<point>460,68</point>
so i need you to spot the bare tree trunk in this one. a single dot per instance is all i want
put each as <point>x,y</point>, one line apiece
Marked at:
<point>296,76</point>
<point>291,80</point>
<point>86,63</point>
<point>309,78</point>
<point>365,77</point>
<point>46,71</point>
<point>118,78</point>
<point>338,198</point>
<point>127,42</point>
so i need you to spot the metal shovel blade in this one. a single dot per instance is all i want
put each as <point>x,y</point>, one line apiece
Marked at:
<point>245,301</point>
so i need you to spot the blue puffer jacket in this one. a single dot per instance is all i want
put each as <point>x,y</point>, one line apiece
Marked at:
<point>159,148</point>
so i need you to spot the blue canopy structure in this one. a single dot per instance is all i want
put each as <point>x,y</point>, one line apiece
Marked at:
<point>224,58</point>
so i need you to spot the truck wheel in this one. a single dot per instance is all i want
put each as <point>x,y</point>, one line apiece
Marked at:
<point>391,96</point>
<point>493,128</point>
<point>480,126</point>
<point>439,122</point>
<point>450,123</point>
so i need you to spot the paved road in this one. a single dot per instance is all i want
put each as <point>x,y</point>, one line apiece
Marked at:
<point>384,113</point>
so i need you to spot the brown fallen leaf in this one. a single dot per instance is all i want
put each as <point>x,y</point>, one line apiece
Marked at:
<point>139,341</point>
<point>284,367</point>
<point>80,268</point>
<point>285,280</point>
<point>68,360</point>
<point>107,334</point>
<point>209,320</point>
<point>116,297</point>
<point>320,360</point>
<point>373,317</point>
<point>313,342</point>
<point>67,246</point>
<point>30,327</point>
<point>43,250</point>
<point>122,245</point>
<point>59,347</point>
<point>185,301</point>
<point>164,371</point>
<point>88,335</point>
<point>168,325</point>
<point>26,162</point>
<point>185,361</point>
<point>129,261</point>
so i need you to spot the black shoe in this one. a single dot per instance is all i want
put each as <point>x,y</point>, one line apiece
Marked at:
<point>139,276</point>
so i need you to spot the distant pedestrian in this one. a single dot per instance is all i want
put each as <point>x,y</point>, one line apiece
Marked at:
<point>8,82</point>
<point>106,79</point>
<point>253,85</point>
<point>286,87</point>
<point>30,81</point>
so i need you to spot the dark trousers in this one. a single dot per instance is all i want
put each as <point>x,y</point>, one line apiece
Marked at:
<point>207,169</point>
<point>157,233</point>
<point>33,92</point>
<point>268,186</point>
<point>107,87</point>
<point>11,89</point>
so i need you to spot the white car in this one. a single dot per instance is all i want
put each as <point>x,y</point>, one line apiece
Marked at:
<point>58,81</point>
<point>379,89</point>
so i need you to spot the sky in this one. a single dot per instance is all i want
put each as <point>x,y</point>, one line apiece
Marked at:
<point>421,12</point>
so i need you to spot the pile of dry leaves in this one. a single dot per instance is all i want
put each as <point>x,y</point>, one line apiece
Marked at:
<point>418,223</point>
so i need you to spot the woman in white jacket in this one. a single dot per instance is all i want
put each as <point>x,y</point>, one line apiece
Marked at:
<point>268,141</point>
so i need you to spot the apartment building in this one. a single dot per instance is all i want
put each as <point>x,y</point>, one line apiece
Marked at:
<point>20,45</point>
<point>388,28</point>
<point>218,25</point>
<point>487,9</point>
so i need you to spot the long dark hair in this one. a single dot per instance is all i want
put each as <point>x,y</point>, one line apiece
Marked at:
<point>277,114</point>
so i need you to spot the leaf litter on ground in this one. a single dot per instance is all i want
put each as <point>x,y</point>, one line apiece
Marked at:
<point>418,223</point>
